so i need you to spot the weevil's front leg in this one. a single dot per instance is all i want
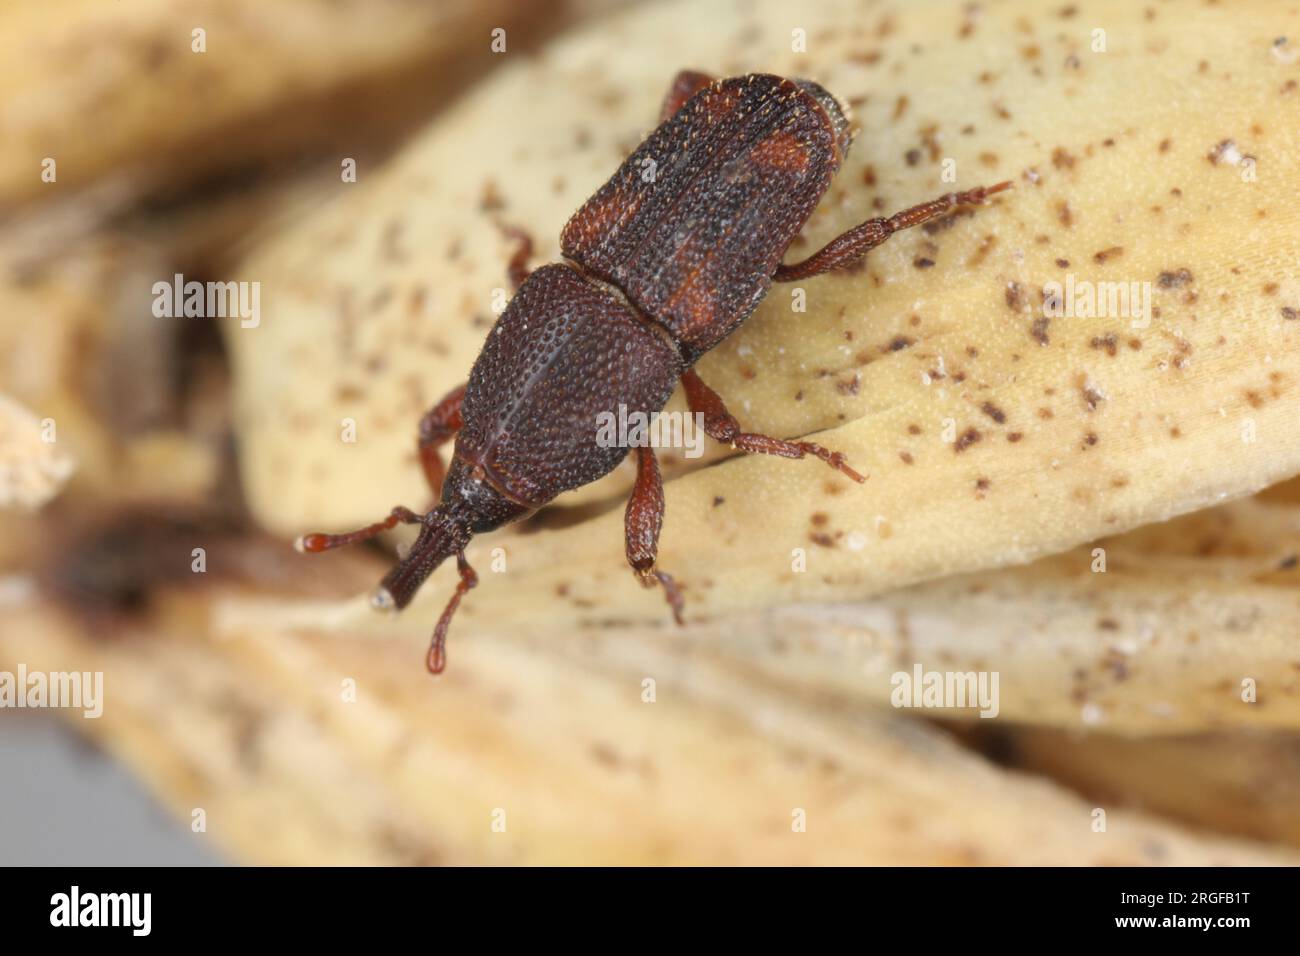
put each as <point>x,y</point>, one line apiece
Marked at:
<point>641,523</point>
<point>437,659</point>
<point>315,543</point>
<point>720,425</point>
<point>685,85</point>
<point>439,424</point>
<point>848,248</point>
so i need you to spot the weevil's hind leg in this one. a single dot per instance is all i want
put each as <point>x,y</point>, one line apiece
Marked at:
<point>641,523</point>
<point>721,425</point>
<point>685,85</point>
<point>517,268</point>
<point>437,658</point>
<point>439,424</point>
<point>315,543</point>
<point>848,248</point>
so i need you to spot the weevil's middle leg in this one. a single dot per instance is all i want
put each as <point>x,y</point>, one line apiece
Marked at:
<point>721,425</point>
<point>315,543</point>
<point>641,524</point>
<point>439,424</point>
<point>851,246</point>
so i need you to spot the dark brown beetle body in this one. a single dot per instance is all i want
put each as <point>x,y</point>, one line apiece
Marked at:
<point>667,259</point>
<point>563,351</point>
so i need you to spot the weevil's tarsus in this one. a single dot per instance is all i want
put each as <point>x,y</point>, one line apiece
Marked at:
<point>672,593</point>
<point>849,247</point>
<point>438,425</point>
<point>721,425</point>
<point>642,522</point>
<point>437,659</point>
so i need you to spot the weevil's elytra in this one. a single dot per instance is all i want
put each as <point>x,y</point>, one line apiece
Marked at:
<point>737,171</point>
<point>665,261</point>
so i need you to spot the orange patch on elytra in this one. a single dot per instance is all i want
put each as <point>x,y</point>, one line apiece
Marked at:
<point>781,150</point>
<point>695,303</point>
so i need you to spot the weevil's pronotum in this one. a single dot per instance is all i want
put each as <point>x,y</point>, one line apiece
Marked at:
<point>659,269</point>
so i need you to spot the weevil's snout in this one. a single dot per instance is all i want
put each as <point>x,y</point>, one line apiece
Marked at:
<point>441,536</point>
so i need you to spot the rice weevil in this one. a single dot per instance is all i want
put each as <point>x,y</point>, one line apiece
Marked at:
<point>659,269</point>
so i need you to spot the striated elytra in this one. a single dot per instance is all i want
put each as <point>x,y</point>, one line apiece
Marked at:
<point>665,261</point>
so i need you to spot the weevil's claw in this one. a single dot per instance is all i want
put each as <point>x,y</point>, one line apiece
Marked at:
<point>652,576</point>
<point>979,195</point>
<point>837,461</point>
<point>674,595</point>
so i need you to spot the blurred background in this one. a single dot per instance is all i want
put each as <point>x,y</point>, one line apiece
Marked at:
<point>250,714</point>
<point>172,156</point>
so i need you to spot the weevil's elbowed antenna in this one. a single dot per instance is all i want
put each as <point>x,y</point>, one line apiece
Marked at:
<point>437,658</point>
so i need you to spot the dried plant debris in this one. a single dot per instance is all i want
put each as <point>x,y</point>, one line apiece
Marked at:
<point>1177,627</point>
<point>108,104</point>
<point>1174,628</point>
<point>1245,784</point>
<point>311,751</point>
<point>139,404</point>
<point>32,466</point>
